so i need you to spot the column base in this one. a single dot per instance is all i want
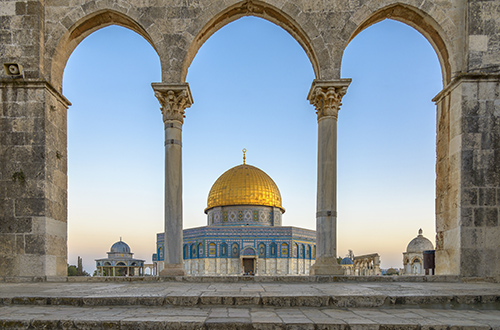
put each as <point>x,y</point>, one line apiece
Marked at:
<point>173,270</point>
<point>326,266</point>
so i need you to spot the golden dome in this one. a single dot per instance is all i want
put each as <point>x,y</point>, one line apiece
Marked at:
<point>244,185</point>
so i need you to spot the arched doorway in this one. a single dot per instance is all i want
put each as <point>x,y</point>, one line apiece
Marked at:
<point>249,261</point>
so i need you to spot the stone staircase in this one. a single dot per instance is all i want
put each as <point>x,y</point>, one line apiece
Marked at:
<point>250,303</point>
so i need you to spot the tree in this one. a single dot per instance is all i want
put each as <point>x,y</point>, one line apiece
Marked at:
<point>72,270</point>
<point>392,271</point>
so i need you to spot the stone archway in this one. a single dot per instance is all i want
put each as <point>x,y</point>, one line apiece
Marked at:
<point>258,9</point>
<point>456,237</point>
<point>421,22</point>
<point>82,29</point>
<point>34,188</point>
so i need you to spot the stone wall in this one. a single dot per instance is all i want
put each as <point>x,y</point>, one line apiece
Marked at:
<point>468,153</point>
<point>233,266</point>
<point>41,34</point>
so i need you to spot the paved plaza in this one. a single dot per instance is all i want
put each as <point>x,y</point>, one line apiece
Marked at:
<point>249,304</point>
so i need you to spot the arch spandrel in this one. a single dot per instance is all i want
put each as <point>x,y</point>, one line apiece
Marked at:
<point>78,24</point>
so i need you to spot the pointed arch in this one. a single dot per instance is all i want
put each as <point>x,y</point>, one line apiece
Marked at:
<point>81,29</point>
<point>420,21</point>
<point>257,9</point>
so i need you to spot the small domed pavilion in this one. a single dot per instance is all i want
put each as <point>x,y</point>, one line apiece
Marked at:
<point>347,265</point>
<point>120,262</point>
<point>413,258</point>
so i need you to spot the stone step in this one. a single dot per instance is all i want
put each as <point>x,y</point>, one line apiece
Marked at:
<point>275,294</point>
<point>246,279</point>
<point>250,317</point>
<point>484,301</point>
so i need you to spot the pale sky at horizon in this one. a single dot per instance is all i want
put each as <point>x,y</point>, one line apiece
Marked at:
<point>249,83</point>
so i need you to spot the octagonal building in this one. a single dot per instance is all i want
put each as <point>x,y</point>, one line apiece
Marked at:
<point>244,233</point>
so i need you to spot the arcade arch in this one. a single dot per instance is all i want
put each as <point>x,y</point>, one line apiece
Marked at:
<point>470,84</point>
<point>114,142</point>
<point>259,9</point>
<point>417,19</point>
<point>81,29</point>
<point>387,154</point>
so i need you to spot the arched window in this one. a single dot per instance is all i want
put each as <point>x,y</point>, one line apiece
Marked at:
<point>160,253</point>
<point>248,251</point>
<point>223,250</point>
<point>274,249</point>
<point>186,251</point>
<point>308,252</point>
<point>212,250</point>
<point>193,251</point>
<point>235,250</point>
<point>303,251</point>
<point>262,250</point>
<point>295,252</point>
<point>200,250</point>
<point>284,250</point>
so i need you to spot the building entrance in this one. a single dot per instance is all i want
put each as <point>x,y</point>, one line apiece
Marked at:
<point>249,266</point>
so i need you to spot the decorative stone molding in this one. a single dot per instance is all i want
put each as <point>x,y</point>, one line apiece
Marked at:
<point>174,100</point>
<point>326,96</point>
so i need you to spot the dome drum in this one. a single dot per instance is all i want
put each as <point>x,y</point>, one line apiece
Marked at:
<point>244,215</point>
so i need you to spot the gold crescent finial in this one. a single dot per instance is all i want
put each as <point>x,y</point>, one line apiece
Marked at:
<point>244,156</point>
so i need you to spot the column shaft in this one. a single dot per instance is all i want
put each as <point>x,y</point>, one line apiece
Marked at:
<point>326,216</point>
<point>326,97</point>
<point>173,193</point>
<point>174,99</point>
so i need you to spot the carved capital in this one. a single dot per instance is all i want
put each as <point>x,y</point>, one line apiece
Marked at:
<point>174,100</point>
<point>326,96</point>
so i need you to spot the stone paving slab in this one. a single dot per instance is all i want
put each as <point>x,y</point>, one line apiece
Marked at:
<point>220,317</point>
<point>312,294</point>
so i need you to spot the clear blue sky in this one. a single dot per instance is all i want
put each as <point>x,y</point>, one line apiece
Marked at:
<point>250,82</point>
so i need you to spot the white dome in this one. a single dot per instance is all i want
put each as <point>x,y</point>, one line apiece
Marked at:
<point>419,244</point>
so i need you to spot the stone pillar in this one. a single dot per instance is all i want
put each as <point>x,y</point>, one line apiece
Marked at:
<point>174,99</point>
<point>33,180</point>
<point>468,177</point>
<point>326,97</point>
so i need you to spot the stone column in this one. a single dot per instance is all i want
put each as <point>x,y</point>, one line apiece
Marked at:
<point>468,177</point>
<point>326,97</point>
<point>174,99</point>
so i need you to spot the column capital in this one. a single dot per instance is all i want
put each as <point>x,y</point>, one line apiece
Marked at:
<point>174,100</point>
<point>326,96</point>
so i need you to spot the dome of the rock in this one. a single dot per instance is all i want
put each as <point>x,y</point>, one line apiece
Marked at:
<point>244,185</point>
